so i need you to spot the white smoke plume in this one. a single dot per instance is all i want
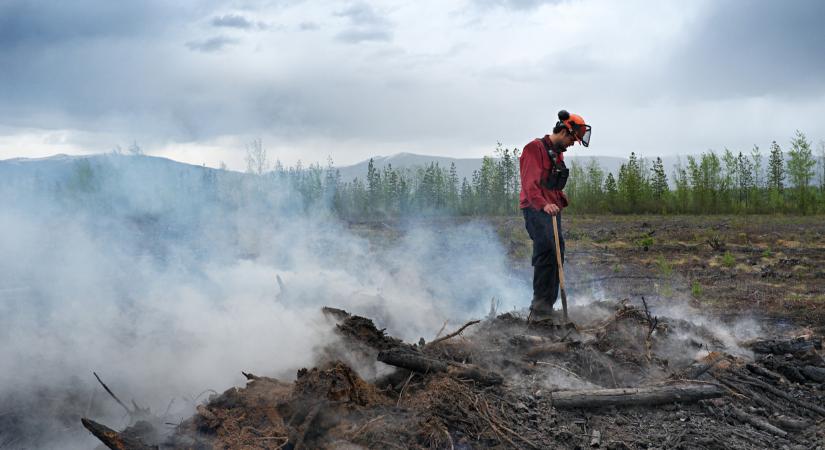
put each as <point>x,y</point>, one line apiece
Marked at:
<point>125,267</point>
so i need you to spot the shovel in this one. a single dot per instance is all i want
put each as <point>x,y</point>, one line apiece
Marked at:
<point>561,269</point>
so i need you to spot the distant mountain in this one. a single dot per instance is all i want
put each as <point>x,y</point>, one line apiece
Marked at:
<point>466,166</point>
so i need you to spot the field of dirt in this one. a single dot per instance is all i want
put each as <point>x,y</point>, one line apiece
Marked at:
<point>769,267</point>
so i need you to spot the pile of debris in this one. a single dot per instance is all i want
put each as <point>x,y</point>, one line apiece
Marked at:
<point>620,379</point>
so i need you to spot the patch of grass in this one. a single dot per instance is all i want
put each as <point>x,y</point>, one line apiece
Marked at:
<point>767,253</point>
<point>728,260</point>
<point>617,268</point>
<point>665,267</point>
<point>645,242</point>
<point>695,289</point>
<point>796,297</point>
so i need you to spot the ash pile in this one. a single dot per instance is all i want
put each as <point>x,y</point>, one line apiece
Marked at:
<point>620,379</point>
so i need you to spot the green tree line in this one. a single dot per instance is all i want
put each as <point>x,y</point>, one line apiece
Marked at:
<point>790,180</point>
<point>778,181</point>
<point>708,183</point>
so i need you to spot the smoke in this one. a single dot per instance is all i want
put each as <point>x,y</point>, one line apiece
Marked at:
<point>164,279</point>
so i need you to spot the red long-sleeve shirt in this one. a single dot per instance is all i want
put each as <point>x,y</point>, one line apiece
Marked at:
<point>534,167</point>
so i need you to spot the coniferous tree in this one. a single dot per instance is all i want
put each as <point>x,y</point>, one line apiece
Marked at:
<point>776,176</point>
<point>776,168</point>
<point>452,188</point>
<point>745,180</point>
<point>466,197</point>
<point>630,184</point>
<point>658,183</point>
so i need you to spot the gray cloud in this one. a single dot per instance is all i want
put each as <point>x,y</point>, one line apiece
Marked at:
<point>232,21</point>
<point>362,14</point>
<point>366,24</point>
<point>143,73</point>
<point>524,5</point>
<point>361,35</point>
<point>212,44</point>
<point>754,48</point>
<point>42,22</point>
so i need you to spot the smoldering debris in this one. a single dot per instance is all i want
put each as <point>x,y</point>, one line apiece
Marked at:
<point>613,382</point>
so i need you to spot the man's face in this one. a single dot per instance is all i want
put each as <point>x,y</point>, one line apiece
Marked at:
<point>569,140</point>
<point>566,141</point>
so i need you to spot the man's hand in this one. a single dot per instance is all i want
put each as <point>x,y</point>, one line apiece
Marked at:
<point>551,209</point>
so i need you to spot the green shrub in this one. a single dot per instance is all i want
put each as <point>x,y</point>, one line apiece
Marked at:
<point>696,289</point>
<point>728,260</point>
<point>645,242</point>
<point>664,267</point>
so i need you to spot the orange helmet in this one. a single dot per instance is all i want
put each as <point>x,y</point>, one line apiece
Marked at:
<point>575,125</point>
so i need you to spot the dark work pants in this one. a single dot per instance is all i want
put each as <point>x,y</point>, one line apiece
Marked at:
<point>545,268</point>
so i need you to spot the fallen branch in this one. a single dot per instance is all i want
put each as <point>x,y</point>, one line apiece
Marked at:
<point>420,363</point>
<point>759,370</point>
<point>647,396</point>
<point>779,393</point>
<point>454,334</point>
<point>757,422</point>
<point>698,368</point>
<point>113,439</point>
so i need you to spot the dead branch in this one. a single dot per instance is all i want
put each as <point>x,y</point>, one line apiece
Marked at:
<point>401,393</point>
<point>443,327</point>
<point>454,334</point>
<point>698,368</point>
<point>779,393</point>
<point>128,411</point>
<point>113,439</point>
<point>757,422</point>
<point>653,321</point>
<point>769,374</point>
<point>300,433</point>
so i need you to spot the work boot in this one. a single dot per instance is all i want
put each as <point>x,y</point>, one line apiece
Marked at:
<point>540,310</point>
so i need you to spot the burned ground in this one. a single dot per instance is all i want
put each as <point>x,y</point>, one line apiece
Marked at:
<point>679,374</point>
<point>611,382</point>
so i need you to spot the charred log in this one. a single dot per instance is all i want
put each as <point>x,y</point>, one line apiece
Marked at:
<point>113,439</point>
<point>416,362</point>
<point>814,373</point>
<point>783,346</point>
<point>646,396</point>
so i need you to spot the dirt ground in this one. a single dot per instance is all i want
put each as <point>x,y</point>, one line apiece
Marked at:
<point>769,267</point>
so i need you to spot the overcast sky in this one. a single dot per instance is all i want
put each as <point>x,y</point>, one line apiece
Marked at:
<point>197,81</point>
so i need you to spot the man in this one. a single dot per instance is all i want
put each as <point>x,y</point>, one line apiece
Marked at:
<point>543,176</point>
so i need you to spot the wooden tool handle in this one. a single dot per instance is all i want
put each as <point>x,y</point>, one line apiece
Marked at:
<point>561,268</point>
<point>558,251</point>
